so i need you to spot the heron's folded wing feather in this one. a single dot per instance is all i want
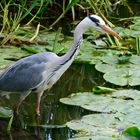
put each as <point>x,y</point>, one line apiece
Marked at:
<point>25,74</point>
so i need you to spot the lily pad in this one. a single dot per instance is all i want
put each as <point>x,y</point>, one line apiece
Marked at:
<point>95,124</point>
<point>88,54</point>
<point>99,89</point>
<point>93,138</point>
<point>132,131</point>
<point>5,112</point>
<point>120,71</point>
<point>135,59</point>
<point>101,126</point>
<point>9,53</point>
<point>128,32</point>
<point>128,94</point>
<point>116,112</point>
<point>105,67</point>
<point>123,77</point>
<point>91,102</point>
<point>108,103</point>
<point>117,77</point>
<point>110,58</point>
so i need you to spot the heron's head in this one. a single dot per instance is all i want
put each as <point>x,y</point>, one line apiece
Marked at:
<point>98,23</point>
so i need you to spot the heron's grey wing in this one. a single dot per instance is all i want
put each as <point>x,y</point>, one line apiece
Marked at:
<point>26,73</point>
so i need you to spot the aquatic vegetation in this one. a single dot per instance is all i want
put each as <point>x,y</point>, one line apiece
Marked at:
<point>112,113</point>
<point>132,132</point>
<point>7,113</point>
<point>120,70</point>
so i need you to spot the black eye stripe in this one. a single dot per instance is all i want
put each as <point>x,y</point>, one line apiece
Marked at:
<point>95,20</point>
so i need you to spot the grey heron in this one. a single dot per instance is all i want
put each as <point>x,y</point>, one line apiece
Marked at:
<point>39,72</point>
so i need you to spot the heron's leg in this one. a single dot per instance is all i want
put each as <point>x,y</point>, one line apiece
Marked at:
<point>22,98</point>
<point>38,103</point>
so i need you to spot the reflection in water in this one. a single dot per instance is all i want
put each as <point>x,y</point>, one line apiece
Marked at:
<point>54,115</point>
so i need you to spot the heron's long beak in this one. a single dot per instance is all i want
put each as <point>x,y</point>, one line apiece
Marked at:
<point>110,31</point>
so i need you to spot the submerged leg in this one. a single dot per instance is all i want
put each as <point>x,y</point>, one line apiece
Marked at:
<point>22,98</point>
<point>38,103</point>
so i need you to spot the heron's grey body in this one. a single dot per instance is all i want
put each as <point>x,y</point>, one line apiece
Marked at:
<point>40,72</point>
<point>27,73</point>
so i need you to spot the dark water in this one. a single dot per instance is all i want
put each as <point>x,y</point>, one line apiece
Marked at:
<point>54,115</point>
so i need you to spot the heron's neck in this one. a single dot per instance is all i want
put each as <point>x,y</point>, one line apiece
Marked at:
<point>78,38</point>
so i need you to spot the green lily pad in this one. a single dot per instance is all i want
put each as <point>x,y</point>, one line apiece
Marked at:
<point>135,59</point>
<point>105,67</point>
<point>8,53</point>
<point>86,54</point>
<point>128,32</point>
<point>93,102</point>
<point>110,59</point>
<point>132,131</point>
<point>123,77</point>
<point>93,138</point>
<point>129,94</point>
<point>99,89</point>
<point>95,124</point>
<point>99,125</point>
<point>89,101</point>
<point>116,112</point>
<point>120,71</point>
<point>136,25</point>
<point>5,112</point>
<point>117,77</point>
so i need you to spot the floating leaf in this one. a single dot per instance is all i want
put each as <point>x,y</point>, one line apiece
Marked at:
<point>9,53</point>
<point>105,67</point>
<point>10,123</point>
<point>99,125</point>
<point>93,138</point>
<point>123,77</point>
<point>110,59</point>
<point>95,124</point>
<point>134,78</point>
<point>132,131</point>
<point>5,112</point>
<point>30,49</point>
<point>87,52</point>
<point>93,102</point>
<point>99,89</point>
<point>117,77</point>
<point>127,32</point>
<point>135,59</point>
<point>121,71</point>
<point>128,94</point>
<point>90,101</point>
<point>121,110</point>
